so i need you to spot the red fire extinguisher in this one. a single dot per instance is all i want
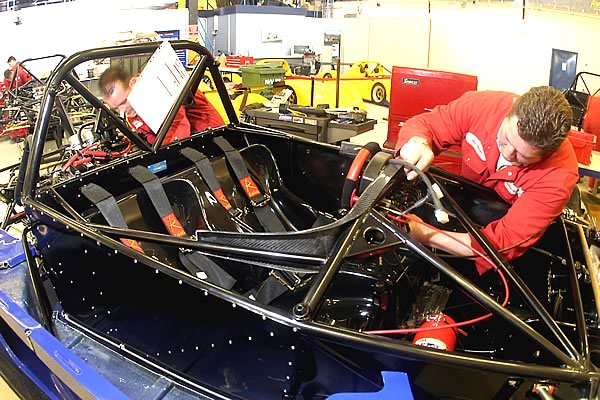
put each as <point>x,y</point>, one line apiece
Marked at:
<point>441,338</point>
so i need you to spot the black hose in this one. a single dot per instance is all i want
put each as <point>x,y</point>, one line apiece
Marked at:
<point>436,201</point>
<point>81,128</point>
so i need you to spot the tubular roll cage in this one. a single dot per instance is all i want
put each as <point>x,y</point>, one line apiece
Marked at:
<point>577,366</point>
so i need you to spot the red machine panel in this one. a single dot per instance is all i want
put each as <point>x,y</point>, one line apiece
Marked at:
<point>415,91</point>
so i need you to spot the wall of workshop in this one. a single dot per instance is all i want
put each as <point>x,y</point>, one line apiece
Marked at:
<point>491,41</point>
<point>69,27</point>
<point>245,33</point>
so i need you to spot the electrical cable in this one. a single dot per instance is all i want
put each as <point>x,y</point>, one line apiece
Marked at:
<point>82,127</point>
<point>441,215</point>
<point>456,324</point>
<point>89,153</point>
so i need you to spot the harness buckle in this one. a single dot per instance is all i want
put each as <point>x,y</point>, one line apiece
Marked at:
<point>289,280</point>
<point>263,202</point>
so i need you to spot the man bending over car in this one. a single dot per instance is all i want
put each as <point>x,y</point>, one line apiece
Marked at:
<point>512,144</point>
<point>115,86</point>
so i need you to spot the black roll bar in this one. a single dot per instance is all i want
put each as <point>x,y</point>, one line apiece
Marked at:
<point>515,279</point>
<point>64,72</point>
<point>21,66</point>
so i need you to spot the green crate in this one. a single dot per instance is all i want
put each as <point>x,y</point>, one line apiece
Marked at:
<point>261,75</point>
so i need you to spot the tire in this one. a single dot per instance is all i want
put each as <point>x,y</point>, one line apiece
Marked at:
<point>293,99</point>
<point>378,94</point>
<point>207,80</point>
<point>327,76</point>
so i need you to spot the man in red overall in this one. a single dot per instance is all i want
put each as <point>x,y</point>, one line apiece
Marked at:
<point>116,84</point>
<point>8,74</point>
<point>22,76</point>
<point>512,144</point>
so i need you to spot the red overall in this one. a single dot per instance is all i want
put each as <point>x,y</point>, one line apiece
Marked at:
<point>188,119</point>
<point>537,193</point>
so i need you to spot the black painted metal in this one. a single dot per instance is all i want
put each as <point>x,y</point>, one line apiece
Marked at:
<point>65,122</point>
<point>168,303</point>
<point>393,347</point>
<point>65,204</point>
<point>490,303</point>
<point>34,275</point>
<point>21,66</point>
<point>324,278</point>
<point>9,214</point>
<point>94,101</point>
<point>577,299</point>
<point>62,71</point>
<point>517,282</point>
<point>370,343</point>
<point>93,234</point>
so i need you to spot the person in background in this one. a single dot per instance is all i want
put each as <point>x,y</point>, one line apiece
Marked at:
<point>8,75</point>
<point>115,86</point>
<point>22,76</point>
<point>222,59</point>
<point>512,144</point>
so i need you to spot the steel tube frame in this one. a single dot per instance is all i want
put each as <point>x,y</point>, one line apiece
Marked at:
<point>63,72</point>
<point>514,278</point>
<point>33,273</point>
<point>490,303</point>
<point>323,280</point>
<point>577,300</point>
<point>352,339</point>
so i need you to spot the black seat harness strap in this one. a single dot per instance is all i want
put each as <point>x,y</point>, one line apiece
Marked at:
<point>258,200</point>
<point>108,207</point>
<point>207,173</point>
<point>158,197</point>
<point>276,284</point>
<point>198,264</point>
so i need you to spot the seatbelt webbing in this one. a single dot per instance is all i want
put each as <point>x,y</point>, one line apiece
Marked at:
<point>159,199</point>
<point>196,263</point>
<point>235,160</point>
<point>205,169</point>
<point>110,210</point>
<point>266,216</point>
<point>269,290</point>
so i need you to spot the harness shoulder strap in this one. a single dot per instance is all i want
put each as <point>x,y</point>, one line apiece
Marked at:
<point>110,210</point>
<point>158,197</point>
<point>259,200</point>
<point>196,263</point>
<point>207,173</point>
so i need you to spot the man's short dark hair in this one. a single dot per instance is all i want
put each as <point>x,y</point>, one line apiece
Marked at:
<point>7,74</point>
<point>110,77</point>
<point>11,58</point>
<point>544,118</point>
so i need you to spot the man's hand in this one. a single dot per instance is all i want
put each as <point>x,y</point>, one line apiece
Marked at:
<point>416,151</point>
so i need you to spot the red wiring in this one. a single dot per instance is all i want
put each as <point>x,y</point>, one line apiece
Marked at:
<point>88,154</point>
<point>456,324</point>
